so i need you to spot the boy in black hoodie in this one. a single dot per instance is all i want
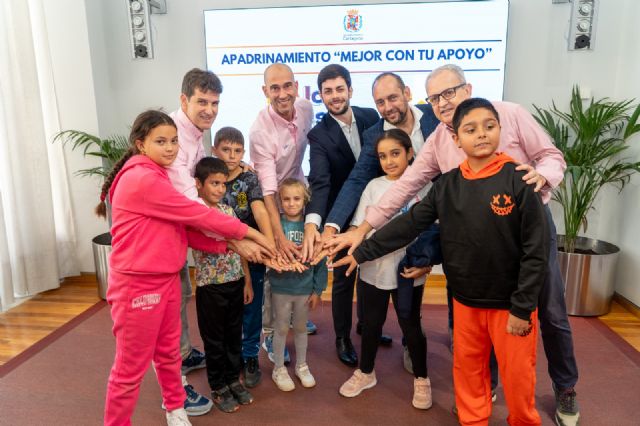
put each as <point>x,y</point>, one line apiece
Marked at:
<point>495,246</point>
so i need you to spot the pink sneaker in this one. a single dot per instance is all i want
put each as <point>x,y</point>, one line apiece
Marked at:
<point>357,383</point>
<point>422,393</point>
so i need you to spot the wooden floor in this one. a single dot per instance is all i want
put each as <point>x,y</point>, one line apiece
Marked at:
<point>33,320</point>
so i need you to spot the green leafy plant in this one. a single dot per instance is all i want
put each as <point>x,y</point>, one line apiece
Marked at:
<point>110,150</point>
<point>593,139</point>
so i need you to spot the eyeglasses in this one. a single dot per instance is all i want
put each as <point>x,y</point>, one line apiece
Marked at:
<point>447,94</point>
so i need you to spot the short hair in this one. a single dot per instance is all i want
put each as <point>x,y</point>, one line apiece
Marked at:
<point>397,135</point>
<point>388,74</point>
<point>200,79</point>
<point>469,105</point>
<point>228,134</point>
<point>208,166</point>
<point>333,71</point>
<point>448,67</point>
<point>288,182</point>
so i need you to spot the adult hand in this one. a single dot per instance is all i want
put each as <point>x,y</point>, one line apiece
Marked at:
<point>319,256</point>
<point>312,242</point>
<point>415,271</point>
<point>246,168</point>
<point>287,249</point>
<point>532,177</point>
<point>347,260</point>
<point>251,251</point>
<point>517,326</point>
<point>351,239</point>
<point>259,238</point>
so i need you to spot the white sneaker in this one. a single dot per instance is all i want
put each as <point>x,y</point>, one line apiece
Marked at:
<point>282,379</point>
<point>178,417</point>
<point>357,383</point>
<point>305,376</point>
<point>422,393</point>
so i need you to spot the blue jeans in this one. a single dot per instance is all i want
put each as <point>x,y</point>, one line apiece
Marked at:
<point>185,340</point>
<point>554,323</point>
<point>252,316</point>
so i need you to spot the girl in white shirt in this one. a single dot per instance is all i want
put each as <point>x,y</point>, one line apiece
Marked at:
<point>379,281</point>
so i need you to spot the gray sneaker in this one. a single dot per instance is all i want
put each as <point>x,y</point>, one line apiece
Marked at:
<point>567,411</point>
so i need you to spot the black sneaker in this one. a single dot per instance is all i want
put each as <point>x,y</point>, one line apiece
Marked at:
<point>240,393</point>
<point>194,361</point>
<point>252,373</point>
<point>567,411</point>
<point>224,400</point>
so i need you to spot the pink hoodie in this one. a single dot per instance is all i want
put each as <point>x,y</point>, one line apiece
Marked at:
<point>150,220</point>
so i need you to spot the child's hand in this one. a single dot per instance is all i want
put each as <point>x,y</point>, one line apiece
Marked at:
<point>518,327</point>
<point>313,301</point>
<point>248,293</point>
<point>298,266</point>
<point>347,260</point>
<point>415,271</point>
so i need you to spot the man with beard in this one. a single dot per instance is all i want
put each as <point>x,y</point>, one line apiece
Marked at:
<point>335,144</point>
<point>391,97</point>
<point>278,140</point>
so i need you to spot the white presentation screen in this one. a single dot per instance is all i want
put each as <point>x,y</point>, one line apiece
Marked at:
<point>410,39</point>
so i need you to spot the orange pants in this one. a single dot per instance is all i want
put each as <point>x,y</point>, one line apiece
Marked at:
<point>474,331</point>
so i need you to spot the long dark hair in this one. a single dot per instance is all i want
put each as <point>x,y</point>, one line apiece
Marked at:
<point>144,123</point>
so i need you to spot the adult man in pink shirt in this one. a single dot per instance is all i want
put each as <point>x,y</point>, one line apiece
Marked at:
<point>525,141</point>
<point>277,142</point>
<point>198,110</point>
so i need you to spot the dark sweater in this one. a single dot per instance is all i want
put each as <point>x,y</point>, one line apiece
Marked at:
<point>493,234</point>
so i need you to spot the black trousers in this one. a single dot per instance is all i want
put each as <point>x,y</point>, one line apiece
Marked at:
<point>342,299</point>
<point>374,308</point>
<point>219,308</point>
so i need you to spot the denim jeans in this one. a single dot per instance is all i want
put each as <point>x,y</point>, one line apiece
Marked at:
<point>252,317</point>
<point>185,340</point>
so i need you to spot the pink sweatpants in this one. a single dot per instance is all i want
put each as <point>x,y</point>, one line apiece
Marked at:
<point>146,323</point>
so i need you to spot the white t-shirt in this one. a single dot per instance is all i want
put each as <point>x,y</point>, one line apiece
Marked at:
<point>382,271</point>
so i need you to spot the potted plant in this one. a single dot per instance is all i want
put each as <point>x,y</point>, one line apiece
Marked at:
<point>109,150</point>
<point>593,139</point>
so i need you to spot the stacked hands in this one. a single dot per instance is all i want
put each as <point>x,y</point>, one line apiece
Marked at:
<point>317,246</point>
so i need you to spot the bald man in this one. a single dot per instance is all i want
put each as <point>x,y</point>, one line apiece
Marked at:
<point>278,140</point>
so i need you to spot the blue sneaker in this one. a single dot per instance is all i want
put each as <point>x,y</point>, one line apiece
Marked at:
<point>194,361</point>
<point>195,404</point>
<point>267,345</point>
<point>311,327</point>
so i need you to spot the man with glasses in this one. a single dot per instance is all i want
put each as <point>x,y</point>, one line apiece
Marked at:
<point>525,141</point>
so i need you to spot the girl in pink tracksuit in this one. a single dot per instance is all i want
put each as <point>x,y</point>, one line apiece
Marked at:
<point>152,225</point>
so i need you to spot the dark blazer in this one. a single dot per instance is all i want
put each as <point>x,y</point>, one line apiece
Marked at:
<point>331,158</point>
<point>368,167</point>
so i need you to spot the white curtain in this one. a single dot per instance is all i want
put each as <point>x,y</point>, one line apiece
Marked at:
<point>37,235</point>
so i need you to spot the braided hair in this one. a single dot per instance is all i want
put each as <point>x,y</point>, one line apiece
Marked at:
<point>144,123</point>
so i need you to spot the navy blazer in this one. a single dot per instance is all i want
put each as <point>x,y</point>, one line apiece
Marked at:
<point>332,159</point>
<point>368,167</point>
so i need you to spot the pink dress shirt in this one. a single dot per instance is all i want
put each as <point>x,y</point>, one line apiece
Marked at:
<point>277,146</point>
<point>521,138</point>
<point>191,151</point>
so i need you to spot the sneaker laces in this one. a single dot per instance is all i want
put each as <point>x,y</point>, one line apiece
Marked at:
<point>420,387</point>
<point>358,376</point>
<point>567,400</point>
<point>192,395</point>
<point>252,365</point>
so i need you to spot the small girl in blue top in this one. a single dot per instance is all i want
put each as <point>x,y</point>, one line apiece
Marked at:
<point>294,292</point>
